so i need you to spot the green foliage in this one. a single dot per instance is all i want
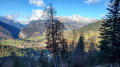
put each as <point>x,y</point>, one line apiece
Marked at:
<point>9,50</point>
<point>64,51</point>
<point>91,27</point>
<point>1,62</point>
<point>18,63</point>
<point>51,63</point>
<point>80,46</point>
<point>110,36</point>
<point>79,53</point>
<point>38,38</point>
<point>92,54</point>
<point>42,61</point>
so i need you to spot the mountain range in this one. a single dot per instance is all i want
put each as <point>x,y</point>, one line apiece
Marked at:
<point>9,28</point>
<point>74,21</point>
<point>77,22</point>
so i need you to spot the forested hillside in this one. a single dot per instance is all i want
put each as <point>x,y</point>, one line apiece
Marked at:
<point>91,27</point>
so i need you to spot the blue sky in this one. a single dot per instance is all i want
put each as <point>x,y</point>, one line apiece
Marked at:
<point>25,10</point>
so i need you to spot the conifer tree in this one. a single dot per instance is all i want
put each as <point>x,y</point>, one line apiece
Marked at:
<point>1,63</point>
<point>110,34</point>
<point>54,33</point>
<point>64,50</point>
<point>91,55</point>
<point>80,46</point>
<point>42,60</point>
<point>79,53</point>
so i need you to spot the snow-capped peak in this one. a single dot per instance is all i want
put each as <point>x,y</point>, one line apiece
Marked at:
<point>78,18</point>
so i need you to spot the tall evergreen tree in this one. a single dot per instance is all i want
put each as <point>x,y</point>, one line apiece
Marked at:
<point>80,45</point>
<point>54,33</point>
<point>79,53</point>
<point>110,33</point>
<point>1,62</point>
<point>64,51</point>
<point>91,55</point>
<point>42,61</point>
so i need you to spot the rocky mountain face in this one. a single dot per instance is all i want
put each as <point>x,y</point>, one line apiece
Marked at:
<point>31,28</point>
<point>8,31</point>
<point>75,22</point>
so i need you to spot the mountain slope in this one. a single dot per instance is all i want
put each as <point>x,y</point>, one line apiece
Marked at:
<point>91,27</point>
<point>8,30</point>
<point>90,30</point>
<point>11,22</point>
<point>75,21</point>
<point>31,29</point>
<point>4,33</point>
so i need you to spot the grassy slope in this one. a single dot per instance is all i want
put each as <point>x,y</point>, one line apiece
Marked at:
<point>89,31</point>
<point>91,27</point>
<point>37,38</point>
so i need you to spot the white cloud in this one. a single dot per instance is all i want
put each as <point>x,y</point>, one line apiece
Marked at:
<point>102,15</point>
<point>36,14</point>
<point>38,3</point>
<point>92,1</point>
<point>12,16</point>
<point>23,21</point>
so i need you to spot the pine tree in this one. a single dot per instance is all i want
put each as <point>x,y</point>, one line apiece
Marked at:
<point>42,60</point>
<point>51,63</point>
<point>79,53</point>
<point>91,55</point>
<point>64,51</point>
<point>110,34</point>
<point>18,63</point>
<point>80,46</point>
<point>54,33</point>
<point>1,62</point>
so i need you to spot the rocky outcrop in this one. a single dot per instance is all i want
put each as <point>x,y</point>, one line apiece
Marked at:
<point>31,29</point>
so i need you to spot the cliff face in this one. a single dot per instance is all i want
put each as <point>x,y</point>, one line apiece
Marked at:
<point>31,29</point>
<point>22,35</point>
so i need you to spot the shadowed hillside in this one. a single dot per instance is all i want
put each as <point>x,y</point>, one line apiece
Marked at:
<point>9,30</point>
